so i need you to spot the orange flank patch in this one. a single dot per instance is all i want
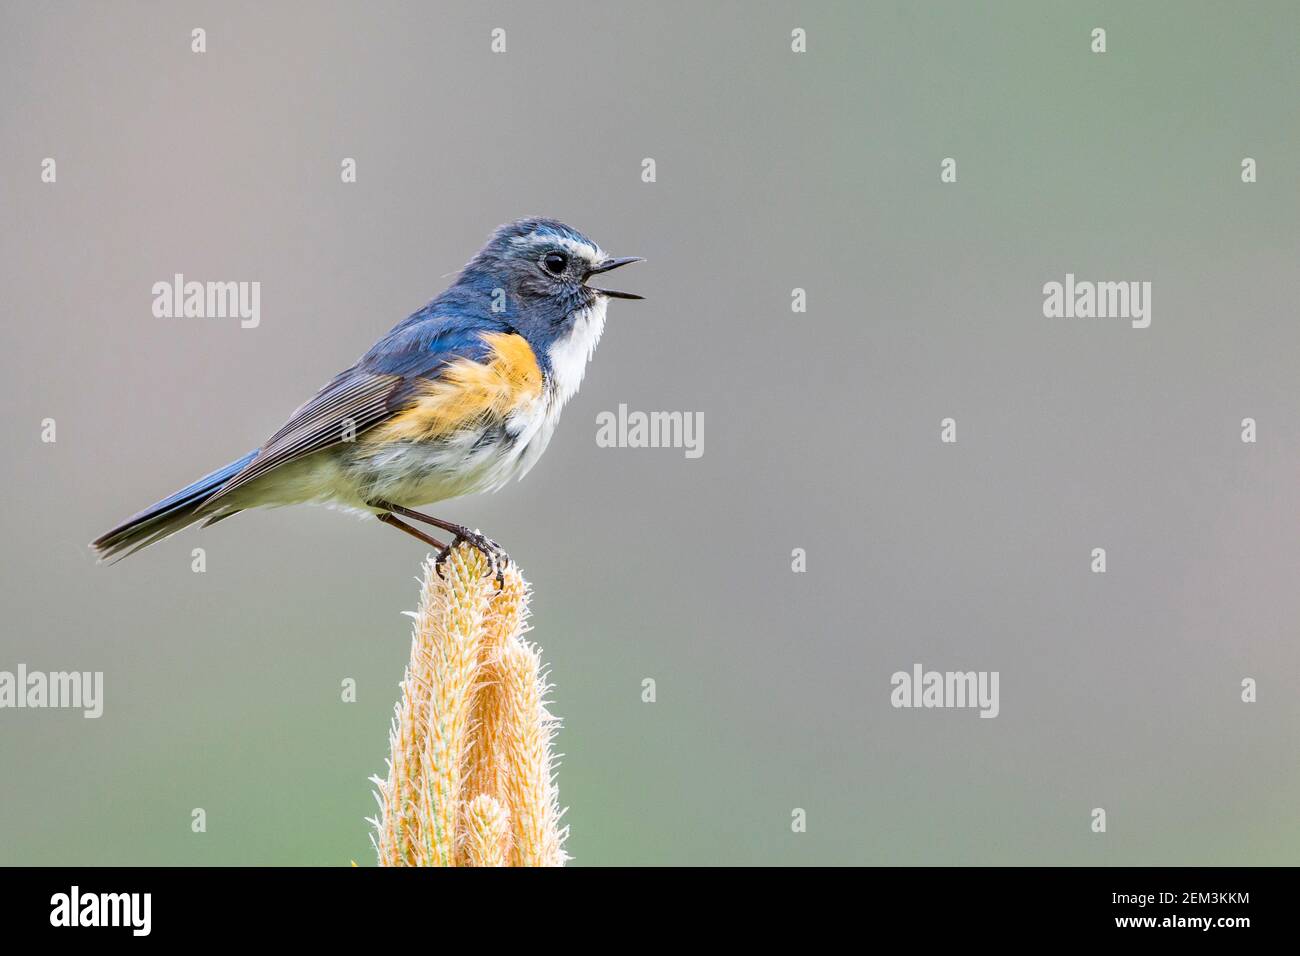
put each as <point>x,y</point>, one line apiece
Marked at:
<point>466,392</point>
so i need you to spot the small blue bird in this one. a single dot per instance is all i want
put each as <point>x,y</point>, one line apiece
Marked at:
<point>459,398</point>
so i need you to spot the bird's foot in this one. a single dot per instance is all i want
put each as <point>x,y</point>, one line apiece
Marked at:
<point>496,556</point>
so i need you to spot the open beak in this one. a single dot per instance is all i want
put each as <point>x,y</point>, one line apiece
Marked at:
<point>608,265</point>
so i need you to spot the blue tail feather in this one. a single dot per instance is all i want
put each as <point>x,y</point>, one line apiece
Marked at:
<point>168,516</point>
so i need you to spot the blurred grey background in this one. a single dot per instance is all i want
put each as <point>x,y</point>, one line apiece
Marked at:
<point>775,170</point>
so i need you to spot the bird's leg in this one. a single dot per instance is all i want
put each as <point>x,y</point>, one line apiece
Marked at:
<point>458,530</point>
<point>401,525</point>
<point>491,550</point>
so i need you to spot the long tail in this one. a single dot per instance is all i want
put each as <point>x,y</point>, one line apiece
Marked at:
<point>167,516</point>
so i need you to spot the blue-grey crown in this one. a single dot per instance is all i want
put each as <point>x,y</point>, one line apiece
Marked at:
<point>538,227</point>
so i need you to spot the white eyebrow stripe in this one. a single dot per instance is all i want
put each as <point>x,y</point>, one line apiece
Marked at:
<point>591,253</point>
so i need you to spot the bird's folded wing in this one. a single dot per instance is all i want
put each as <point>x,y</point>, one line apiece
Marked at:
<point>354,401</point>
<point>420,387</point>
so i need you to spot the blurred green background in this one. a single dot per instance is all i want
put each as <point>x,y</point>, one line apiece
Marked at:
<point>775,170</point>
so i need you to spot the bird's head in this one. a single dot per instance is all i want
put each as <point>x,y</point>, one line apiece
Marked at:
<point>544,266</point>
<point>533,275</point>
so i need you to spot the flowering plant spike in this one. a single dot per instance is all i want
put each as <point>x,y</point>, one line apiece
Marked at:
<point>471,773</point>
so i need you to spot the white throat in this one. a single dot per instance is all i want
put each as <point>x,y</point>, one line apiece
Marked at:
<point>569,356</point>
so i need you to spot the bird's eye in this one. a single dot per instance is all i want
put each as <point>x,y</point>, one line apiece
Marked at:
<point>554,263</point>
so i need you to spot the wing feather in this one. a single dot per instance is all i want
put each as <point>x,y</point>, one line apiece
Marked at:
<point>385,382</point>
<point>353,402</point>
